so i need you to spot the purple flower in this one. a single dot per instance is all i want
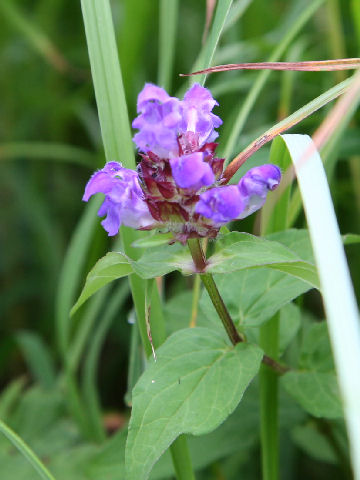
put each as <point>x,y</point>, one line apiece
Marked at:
<point>190,171</point>
<point>158,122</point>
<point>197,117</point>
<point>221,204</point>
<point>163,119</point>
<point>124,199</point>
<point>255,184</point>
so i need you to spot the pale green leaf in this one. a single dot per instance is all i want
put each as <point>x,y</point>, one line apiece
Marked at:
<point>196,382</point>
<point>162,260</point>
<point>111,267</point>
<point>316,392</point>
<point>253,296</point>
<point>153,240</point>
<point>238,251</point>
<point>310,439</point>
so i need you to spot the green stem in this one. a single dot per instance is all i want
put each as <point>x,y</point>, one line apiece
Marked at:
<point>195,301</point>
<point>208,281</point>
<point>269,402</point>
<point>181,459</point>
<point>216,299</point>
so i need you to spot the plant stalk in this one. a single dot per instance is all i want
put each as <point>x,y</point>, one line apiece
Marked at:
<point>269,334</point>
<point>214,294</point>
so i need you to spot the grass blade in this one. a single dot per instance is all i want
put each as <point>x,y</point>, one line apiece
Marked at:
<point>338,296</point>
<point>284,125</point>
<point>70,274</point>
<point>253,94</point>
<point>47,151</point>
<point>108,84</point>
<point>206,56</point>
<point>311,66</point>
<point>168,21</point>
<point>26,451</point>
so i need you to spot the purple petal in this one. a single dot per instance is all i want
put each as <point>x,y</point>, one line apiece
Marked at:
<point>255,184</point>
<point>190,171</point>
<point>197,117</point>
<point>100,182</point>
<point>124,203</point>
<point>151,93</point>
<point>199,97</point>
<point>221,204</point>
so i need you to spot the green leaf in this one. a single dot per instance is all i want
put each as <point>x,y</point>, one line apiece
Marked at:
<point>162,260</point>
<point>153,240</point>
<point>289,324</point>
<point>111,267</point>
<point>114,265</point>
<point>238,251</point>
<point>253,296</point>
<point>316,392</point>
<point>297,240</point>
<point>177,311</point>
<point>310,439</point>
<point>196,382</point>
<point>316,349</point>
<point>290,321</point>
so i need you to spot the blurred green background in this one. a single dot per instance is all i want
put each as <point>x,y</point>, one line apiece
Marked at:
<point>50,143</point>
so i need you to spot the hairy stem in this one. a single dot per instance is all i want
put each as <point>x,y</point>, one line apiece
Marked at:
<point>214,294</point>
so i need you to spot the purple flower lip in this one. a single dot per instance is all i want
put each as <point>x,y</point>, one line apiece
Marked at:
<point>124,199</point>
<point>223,204</point>
<point>190,171</point>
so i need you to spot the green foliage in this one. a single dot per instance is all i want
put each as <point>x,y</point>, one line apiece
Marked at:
<point>237,251</point>
<point>317,392</point>
<point>64,377</point>
<point>192,384</point>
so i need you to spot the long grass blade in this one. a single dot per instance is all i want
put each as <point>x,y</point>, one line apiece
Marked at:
<point>311,66</point>
<point>167,35</point>
<point>108,84</point>
<point>337,291</point>
<point>25,450</point>
<point>284,125</point>
<point>70,274</point>
<point>37,39</point>
<point>47,152</point>
<point>207,54</point>
<point>248,103</point>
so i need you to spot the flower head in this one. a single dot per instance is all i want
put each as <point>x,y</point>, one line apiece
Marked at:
<point>176,186</point>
